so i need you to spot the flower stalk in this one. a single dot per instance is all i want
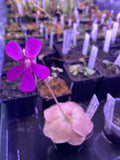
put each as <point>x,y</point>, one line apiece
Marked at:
<point>55,99</point>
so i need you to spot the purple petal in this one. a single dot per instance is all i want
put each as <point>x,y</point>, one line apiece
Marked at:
<point>27,82</point>
<point>15,72</point>
<point>40,71</point>
<point>14,51</point>
<point>33,48</point>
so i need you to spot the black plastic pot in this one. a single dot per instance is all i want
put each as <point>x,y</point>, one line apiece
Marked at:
<point>22,104</point>
<point>109,83</point>
<point>21,107</point>
<point>47,102</point>
<point>83,89</point>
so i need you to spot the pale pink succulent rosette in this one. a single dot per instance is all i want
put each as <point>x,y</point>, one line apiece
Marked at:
<point>72,128</point>
<point>28,66</point>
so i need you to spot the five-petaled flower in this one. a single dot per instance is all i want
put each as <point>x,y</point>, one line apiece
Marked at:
<point>73,126</point>
<point>28,65</point>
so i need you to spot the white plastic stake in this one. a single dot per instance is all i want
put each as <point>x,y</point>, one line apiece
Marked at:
<point>93,56</point>
<point>36,19</point>
<point>20,8</point>
<point>51,39</point>
<point>86,44</point>
<point>67,41</point>
<point>70,22</point>
<point>110,107</point>
<point>94,32</point>
<point>62,21</point>
<point>107,41</point>
<point>93,106</point>
<point>75,34</point>
<point>46,34</point>
<point>117,61</point>
<point>114,31</point>
<point>76,14</point>
<point>41,29</point>
<point>103,18</point>
<point>55,20</point>
<point>87,10</point>
<point>43,4</point>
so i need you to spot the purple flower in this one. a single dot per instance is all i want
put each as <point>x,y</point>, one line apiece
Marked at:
<point>28,65</point>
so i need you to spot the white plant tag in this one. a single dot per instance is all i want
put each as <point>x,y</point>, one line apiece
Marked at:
<point>94,32</point>
<point>110,21</point>
<point>117,61</point>
<point>51,39</point>
<point>107,41</point>
<point>93,56</point>
<point>55,20</point>
<point>16,19</point>
<point>87,10</point>
<point>62,21</point>
<point>46,34</point>
<point>67,41</point>
<point>41,29</point>
<point>93,106</point>
<point>86,44</point>
<point>76,14</point>
<point>78,22</point>
<point>43,4</point>
<point>36,19</point>
<point>114,31</point>
<point>70,22</point>
<point>103,18</point>
<point>118,17</point>
<point>75,34</point>
<point>104,29</point>
<point>93,17</point>
<point>20,8</point>
<point>95,20</point>
<point>110,106</point>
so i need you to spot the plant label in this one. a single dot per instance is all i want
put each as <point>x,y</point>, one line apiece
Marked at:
<point>114,31</point>
<point>110,107</point>
<point>103,18</point>
<point>93,17</point>
<point>94,32</point>
<point>55,20</point>
<point>20,8</point>
<point>16,19</point>
<point>46,34</point>
<point>70,22</point>
<point>86,44</point>
<point>62,21</point>
<point>78,22</point>
<point>67,41</point>
<point>76,14</point>
<point>93,56</point>
<point>107,41</point>
<point>51,39</point>
<point>41,29</point>
<point>118,17</point>
<point>110,21</point>
<point>93,106</point>
<point>95,20</point>
<point>104,29</point>
<point>87,10</point>
<point>117,61</point>
<point>36,19</point>
<point>75,34</point>
<point>43,4</point>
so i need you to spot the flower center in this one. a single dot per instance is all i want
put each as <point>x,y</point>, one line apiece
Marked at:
<point>27,63</point>
<point>69,114</point>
